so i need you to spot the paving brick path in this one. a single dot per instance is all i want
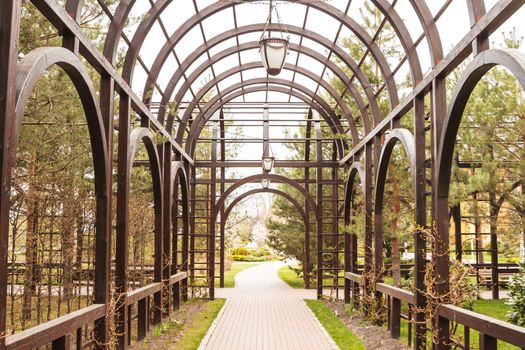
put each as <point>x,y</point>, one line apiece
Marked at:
<point>262,312</point>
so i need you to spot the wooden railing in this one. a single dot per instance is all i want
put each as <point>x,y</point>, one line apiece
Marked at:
<point>490,329</point>
<point>58,332</point>
<point>142,297</point>
<point>354,277</point>
<point>406,269</point>
<point>394,297</point>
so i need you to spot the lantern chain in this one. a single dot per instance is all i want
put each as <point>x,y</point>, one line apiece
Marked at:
<point>282,26</point>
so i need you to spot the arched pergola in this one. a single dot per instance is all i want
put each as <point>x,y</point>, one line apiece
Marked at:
<point>180,88</point>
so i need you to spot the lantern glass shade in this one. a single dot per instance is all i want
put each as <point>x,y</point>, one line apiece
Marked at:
<point>273,54</point>
<point>267,163</point>
<point>265,183</point>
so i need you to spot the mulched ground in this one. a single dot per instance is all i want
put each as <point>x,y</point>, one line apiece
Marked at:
<point>168,339</point>
<point>373,337</point>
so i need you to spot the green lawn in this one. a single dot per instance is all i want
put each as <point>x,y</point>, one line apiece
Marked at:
<point>334,326</point>
<point>493,308</point>
<point>229,276</point>
<point>289,276</point>
<point>194,333</point>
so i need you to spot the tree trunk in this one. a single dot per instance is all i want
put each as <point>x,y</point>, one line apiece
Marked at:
<point>79,275</point>
<point>68,245</point>
<point>31,248</point>
<point>477,224</point>
<point>494,244</point>
<point>396,255</point>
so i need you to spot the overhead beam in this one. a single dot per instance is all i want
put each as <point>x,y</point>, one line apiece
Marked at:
<point>257,164</point>
<point>485,26</point>
<point>59,18</point>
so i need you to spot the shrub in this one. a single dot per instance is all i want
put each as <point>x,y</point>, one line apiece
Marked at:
<point>262,252</point>
<point>517,298</point>
<point>240,251</point>
<point>249,258</point>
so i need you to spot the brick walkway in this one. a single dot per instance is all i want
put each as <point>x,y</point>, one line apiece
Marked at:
<point>262,312</point>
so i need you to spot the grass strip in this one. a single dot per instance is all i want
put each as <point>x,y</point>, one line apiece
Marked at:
<point>290,277</point>
<point>229,276</point>
<point>339,332</point>
<point>194,333</point>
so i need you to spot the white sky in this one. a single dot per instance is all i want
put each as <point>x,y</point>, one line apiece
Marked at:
<point>453,25</point>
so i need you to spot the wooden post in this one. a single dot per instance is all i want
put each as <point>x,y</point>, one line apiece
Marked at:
<point>176,296</point>
<point>369,227</point>
<point>222,134</point>
<point>122,247</point>
<point>103,237</point>
<point>486,342</point>
<point>129,324</point>
<point>9,32</point>
<point>395,317</point>
<point>213,212</point>
<point>319,192</point>
<point>347,286</point>
<point>466,338</point>
<point>165,155</point>
<point>440,210</point>
<point>62,343</point>
<point>307,207</point>
<point>142,318</point>
<point>421,222</point>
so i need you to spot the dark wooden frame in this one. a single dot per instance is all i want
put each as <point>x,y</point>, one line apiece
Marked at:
<point>174,167</point>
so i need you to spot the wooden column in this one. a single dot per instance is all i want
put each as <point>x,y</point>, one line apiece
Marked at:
<point>188,226</point>
<point>369,228</point>
<point>335,221</point>
<point>174,228</point>
<point>167,232</point>
<point>9,32</point>
<point>319,195</point>
<point>122,247</point>
<point>213,213</point>
<point>440,210</point>
<point>421,222</point>
<point>222,133</point>
<point>306,204</point>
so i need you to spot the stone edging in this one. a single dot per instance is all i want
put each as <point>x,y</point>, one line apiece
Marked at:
<point>323,330</point>
<point>210,331</point>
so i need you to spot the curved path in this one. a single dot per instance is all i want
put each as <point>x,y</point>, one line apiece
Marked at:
<point>263,312</point>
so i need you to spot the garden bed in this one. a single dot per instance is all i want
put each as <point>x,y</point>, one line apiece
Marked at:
<point>372,337</point>
<point>185,329</point>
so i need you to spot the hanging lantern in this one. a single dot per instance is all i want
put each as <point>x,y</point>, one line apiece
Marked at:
<point>267,163</point>
<point>274,50</point>
<point>265,183</point>
<point>273,54</point>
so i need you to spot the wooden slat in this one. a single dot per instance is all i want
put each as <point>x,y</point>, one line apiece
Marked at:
<point>395,292</point>
<point>141,293</point>
<point>354,277</point>
<point>178,277</point>
<point>45,333</point>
